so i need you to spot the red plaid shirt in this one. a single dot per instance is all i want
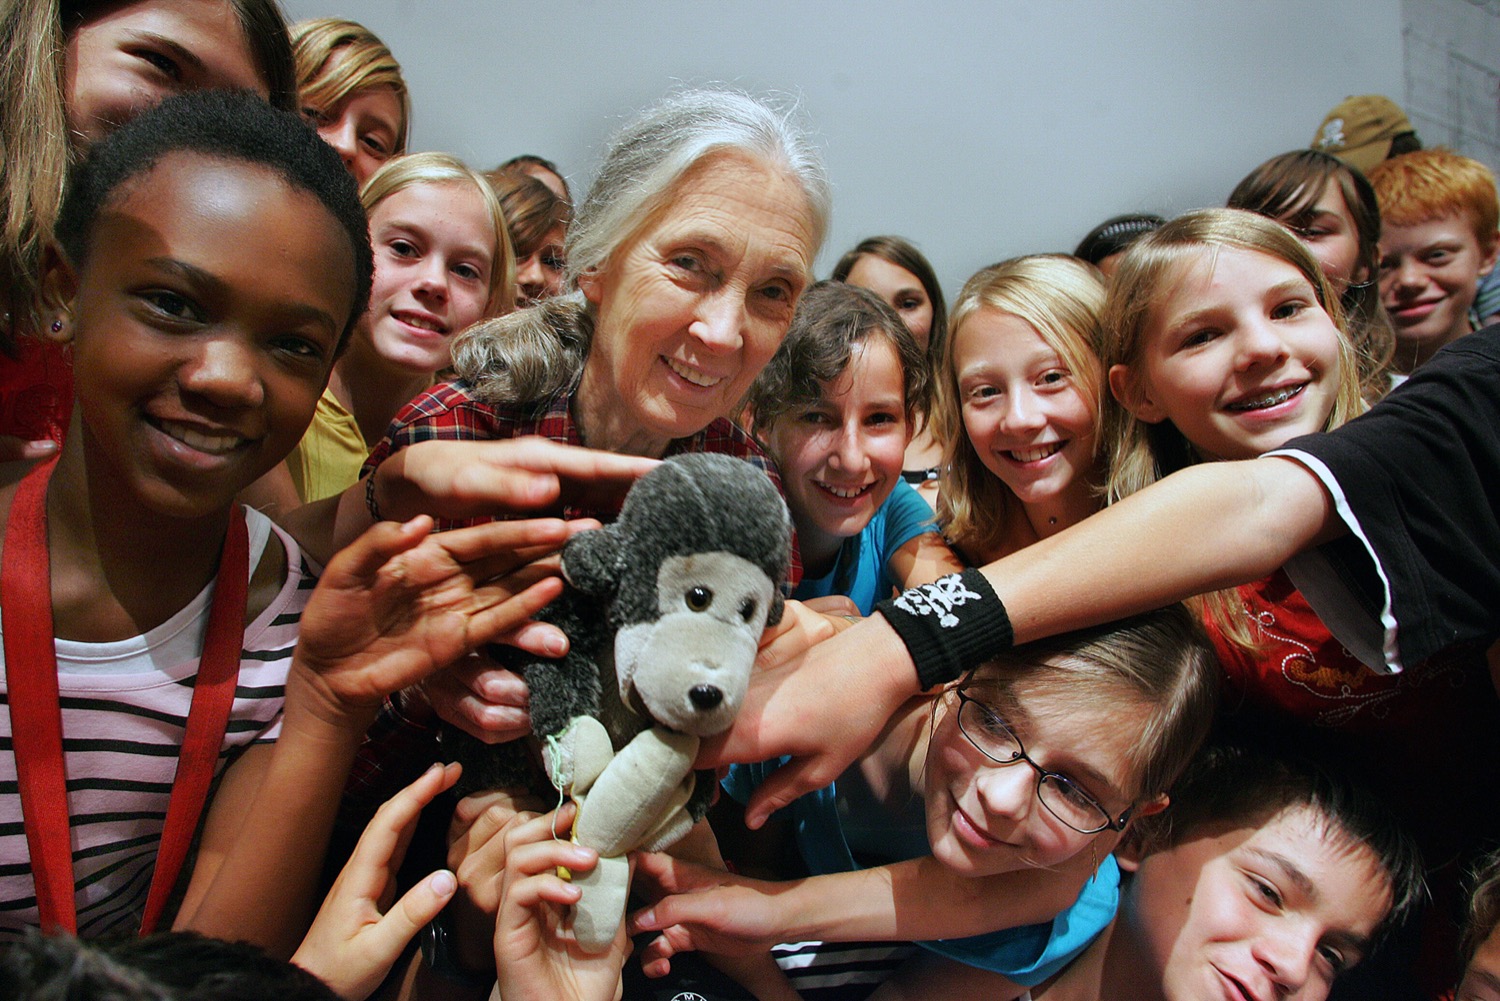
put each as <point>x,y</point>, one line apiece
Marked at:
<point>397,748</point>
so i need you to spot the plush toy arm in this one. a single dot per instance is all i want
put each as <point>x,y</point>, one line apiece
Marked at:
<point>644,782</point>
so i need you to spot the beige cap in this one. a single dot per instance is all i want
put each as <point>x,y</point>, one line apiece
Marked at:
<point>1359,130</point>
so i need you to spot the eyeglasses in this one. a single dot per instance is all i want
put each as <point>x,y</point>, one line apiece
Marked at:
<point>1063,798</point>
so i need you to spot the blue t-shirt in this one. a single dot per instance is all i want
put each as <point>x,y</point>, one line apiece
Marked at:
<point>1027,955</point>
<point>861,571</point>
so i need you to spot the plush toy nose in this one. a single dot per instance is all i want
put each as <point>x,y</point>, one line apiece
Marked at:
<point>706,697</point>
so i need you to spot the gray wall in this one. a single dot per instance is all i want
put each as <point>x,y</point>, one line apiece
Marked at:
<point>978,129</point>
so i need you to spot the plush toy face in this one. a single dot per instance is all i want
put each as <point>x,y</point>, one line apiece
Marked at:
<point>688,669</point>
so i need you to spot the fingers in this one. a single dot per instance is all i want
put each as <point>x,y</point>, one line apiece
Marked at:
<point>527,539</point>
<point>383,843</point>
<point>486,701</point>
<point>414,911</point>
<point>541,639</point>
<point>17,449</point>
<point>833,604</point>
<point>363,558</point>
<point>792,780</point>
<point>484,626</point>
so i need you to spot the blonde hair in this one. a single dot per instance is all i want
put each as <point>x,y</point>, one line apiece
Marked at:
<point>403,172</point>
<point>1062,299</point>
<point>364,63</point>
<point>1142,453</point>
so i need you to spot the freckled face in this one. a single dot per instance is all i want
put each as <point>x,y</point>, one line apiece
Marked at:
<point>1266,913</point>
<point>434,247</point>
<point>984,818</point>
<point>132,55</point>
<point>204,325</point>
<point>898,287</point>
<point>1240,356</point>
<point>1429,275</point>
<point>841,458</point>
<point>691,308</point>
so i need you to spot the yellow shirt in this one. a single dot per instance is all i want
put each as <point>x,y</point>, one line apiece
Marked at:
<point>328,458</point>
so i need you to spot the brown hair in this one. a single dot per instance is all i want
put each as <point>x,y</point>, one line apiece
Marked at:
<point>532,210</point>
<point>831,319</point>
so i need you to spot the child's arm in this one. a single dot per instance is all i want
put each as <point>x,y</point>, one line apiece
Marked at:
<point>930,976</point>
<point>358,934</point>
<point>1209,526</point>
<point>923,560</point>
<point>395,606</point>
<point>905,901</point>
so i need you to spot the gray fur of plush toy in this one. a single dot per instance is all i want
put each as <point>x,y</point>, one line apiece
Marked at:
<point>663,611</point>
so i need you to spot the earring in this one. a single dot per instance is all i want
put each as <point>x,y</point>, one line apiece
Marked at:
<point>57,326</point>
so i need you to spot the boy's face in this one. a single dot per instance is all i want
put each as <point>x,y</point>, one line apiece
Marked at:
<point>1271,912</point>
<point>204,324</point>
<point>1429,272</point>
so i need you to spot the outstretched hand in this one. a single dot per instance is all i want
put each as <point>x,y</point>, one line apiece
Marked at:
<point>473,479</point>
<point>400,602</point>
<point>535,953</point>
<point>706,910</point>
<point>824,708</point>
<point>358,934</point>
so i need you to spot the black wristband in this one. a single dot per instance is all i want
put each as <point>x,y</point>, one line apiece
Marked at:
<point>949,626</point>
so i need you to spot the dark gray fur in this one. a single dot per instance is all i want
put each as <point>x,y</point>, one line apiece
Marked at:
<point>689,504</point>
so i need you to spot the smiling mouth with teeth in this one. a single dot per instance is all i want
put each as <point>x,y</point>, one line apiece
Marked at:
<point>422,323</point>
<point>1037,453</point>
<point>845,493</point>
<point>210,444</point>
<point>693,375</point>
<point>1264,402</point>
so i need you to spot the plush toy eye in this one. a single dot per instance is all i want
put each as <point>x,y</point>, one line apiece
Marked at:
<point>747,609</point>
<point>699,598</point>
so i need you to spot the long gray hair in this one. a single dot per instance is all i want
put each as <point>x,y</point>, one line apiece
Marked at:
<point>538,352</point>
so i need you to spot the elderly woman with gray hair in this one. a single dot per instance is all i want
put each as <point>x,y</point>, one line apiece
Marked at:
<point>685,264</point>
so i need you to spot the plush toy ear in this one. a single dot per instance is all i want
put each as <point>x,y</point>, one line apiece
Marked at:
<point>591,562</point>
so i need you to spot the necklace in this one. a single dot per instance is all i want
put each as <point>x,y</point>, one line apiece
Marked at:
<point>36,711</point>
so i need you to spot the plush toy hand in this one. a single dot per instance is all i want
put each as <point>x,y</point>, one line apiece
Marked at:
<point>358,934</point>
<point>536,955</point>
<point>400,603</point>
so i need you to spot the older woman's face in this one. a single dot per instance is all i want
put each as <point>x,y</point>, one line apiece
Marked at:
<point>691,309</point>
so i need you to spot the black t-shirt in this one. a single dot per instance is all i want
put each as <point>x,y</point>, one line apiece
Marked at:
<point>1417,482</point>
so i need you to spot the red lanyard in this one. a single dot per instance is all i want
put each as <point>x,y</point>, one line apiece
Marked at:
<point>36,715</point>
